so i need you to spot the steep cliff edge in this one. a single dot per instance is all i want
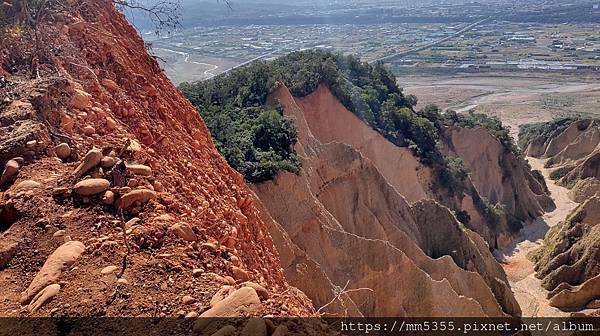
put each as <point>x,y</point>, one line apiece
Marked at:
<point>101,159</point>
<point>503,179</point>
<point>341,202</point>
<point>568,263</point>
<point>500,176</point>
<point>330,121</point>
<point>370,199</point>
<point>572,150</point>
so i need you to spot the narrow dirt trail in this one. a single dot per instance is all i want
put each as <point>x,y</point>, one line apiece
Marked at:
<point>521,275</point>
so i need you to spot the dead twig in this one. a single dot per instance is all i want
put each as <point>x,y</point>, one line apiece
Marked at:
<point>164,14</point>
<point>127,250</point>
<point>343,291</point>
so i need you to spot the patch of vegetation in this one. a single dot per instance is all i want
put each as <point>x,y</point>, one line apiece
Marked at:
<point>559,173</point>
<point>256,141</point>
<point>463,217</point>
<point>563,174</point>
<point>529,132</point>
<point>451,174</point>
<point>458,167</point>
<point>492,214</point>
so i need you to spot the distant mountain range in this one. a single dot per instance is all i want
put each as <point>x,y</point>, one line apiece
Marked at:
<point>270,12</point>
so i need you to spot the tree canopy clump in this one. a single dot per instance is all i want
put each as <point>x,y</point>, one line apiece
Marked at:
<point>256,141</point>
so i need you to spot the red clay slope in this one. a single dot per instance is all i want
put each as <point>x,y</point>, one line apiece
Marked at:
<point>112,95</point>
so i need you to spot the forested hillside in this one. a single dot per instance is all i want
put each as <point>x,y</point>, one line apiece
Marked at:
<point>258,140</point>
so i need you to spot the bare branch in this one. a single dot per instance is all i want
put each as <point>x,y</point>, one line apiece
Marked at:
<point>343,291</point>
<point>227,2</point>
<point>165,15</point>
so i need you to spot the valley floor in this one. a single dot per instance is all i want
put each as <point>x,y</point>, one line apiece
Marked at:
<point>515,98</point>
<point>528,290</point>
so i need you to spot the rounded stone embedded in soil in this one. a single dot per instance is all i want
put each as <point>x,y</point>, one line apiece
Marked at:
<point>43,296</point>
<point>132,183</point>
<point>243,301</point>
<point>66,123</point>
<point>31,145</point>
<point>80,100</point>
<point>109,84</point>
<point>91,160</point>
<point>60,260</point>
<point>239,274</point>
<point>221,294</point>
<point>108,162</point>
<point>108,270</point>
<point>91,187</point>
<point>187,299</point>
<point>63,151</point>
<point>209,246</point>
<point>59,234</point>
<point>11,169</point>
<point>131,198</point>
<point>262,292</point>
<point>197,272</point>
<point>89,130</point>
<point>158,187</point>
<point>183,231</point>
<point>108,198</point>
<point>138,169</point>
<point>111,124</point>
<point>7,252</point>
<point>27,185</point>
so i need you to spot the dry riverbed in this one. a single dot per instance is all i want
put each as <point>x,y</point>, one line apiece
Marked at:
<point>519,269</point>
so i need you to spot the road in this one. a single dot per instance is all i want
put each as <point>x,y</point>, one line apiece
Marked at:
<point>386,58</point>
<point>432,44</point>
<point>274,52</point>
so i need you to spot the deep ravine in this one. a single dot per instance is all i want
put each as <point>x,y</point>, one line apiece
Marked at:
<point>519,269</point>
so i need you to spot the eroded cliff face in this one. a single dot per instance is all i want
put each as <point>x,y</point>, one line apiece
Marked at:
<point>343,213</point>
<point>103,159</point>
<point>330,121</point>
<point>568,263</point>
<point>502,178</point>
<point>573,152</point>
